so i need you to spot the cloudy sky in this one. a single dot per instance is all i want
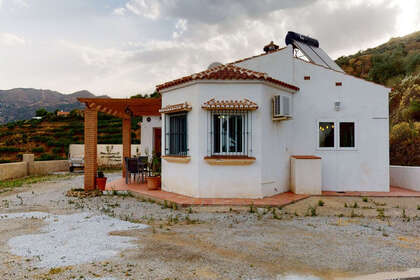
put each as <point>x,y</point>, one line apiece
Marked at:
<point>125,47</point>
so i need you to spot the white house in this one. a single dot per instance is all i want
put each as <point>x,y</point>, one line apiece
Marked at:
<point>231,130</point>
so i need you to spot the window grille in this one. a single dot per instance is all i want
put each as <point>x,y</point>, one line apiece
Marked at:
<point>176,134</point>
<point>229,133</point>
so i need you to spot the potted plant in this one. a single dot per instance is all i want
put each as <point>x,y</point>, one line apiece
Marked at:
<point>154,179</point>
<point>101,181</point>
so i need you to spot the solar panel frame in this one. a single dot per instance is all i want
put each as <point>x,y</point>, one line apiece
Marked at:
<point>324,56</point>
<point>309,53</point>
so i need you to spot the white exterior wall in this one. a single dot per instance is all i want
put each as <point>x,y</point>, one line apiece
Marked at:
<point>146,137</point>
<point>365,168</point>
<point>243,181</point>
<point>107,154</point>
<point>405,177</point>
<point>182,178</point>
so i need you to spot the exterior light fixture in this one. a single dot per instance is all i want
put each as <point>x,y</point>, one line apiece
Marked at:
<point>128,111</point>
<point>337,105</point>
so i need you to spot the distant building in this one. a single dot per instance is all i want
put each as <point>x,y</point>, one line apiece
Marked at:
<point>62,113</point>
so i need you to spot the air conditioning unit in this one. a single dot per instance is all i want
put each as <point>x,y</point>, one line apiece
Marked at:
<point>282,107</point>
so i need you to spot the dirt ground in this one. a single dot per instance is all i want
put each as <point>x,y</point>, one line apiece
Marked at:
<point>316,238</point>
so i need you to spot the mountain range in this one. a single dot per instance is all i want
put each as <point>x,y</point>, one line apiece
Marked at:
<point>22,103</point>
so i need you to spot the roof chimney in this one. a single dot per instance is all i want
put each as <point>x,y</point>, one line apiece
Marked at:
<point>271,47</point>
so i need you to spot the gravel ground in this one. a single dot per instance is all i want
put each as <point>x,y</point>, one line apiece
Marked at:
<point>300,240</point>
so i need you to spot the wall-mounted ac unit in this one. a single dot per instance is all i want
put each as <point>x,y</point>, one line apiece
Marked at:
<point>282,107</point>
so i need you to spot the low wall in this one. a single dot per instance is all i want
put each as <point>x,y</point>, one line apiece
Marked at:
<point>405,176</point>
<point>47,167</point>
<point>13,170</point>
<point>108,154</point>
<point>30,167</point>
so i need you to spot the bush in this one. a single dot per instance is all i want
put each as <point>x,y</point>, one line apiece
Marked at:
<point>38,150</point>
<point>402,131</point>
<point>9,149</point>
<point>57,150</point>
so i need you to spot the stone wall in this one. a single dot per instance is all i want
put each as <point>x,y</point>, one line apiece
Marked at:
<point>30,167</point>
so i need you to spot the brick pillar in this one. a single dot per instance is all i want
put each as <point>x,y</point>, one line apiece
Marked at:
<point>91,141</point>
<point>126,135</point>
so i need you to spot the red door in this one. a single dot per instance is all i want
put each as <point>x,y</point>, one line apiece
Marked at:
<point>157,140</point>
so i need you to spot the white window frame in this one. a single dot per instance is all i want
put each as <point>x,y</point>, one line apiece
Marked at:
<point>317,135</point>
<point>244,133</point>
<point>337,135</point>
<point>355,135</point>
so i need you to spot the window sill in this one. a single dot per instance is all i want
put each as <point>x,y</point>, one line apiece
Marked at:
<point>229,160</point>
<point>177,159</point>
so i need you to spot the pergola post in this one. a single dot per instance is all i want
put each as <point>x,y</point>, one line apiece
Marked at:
<point>91,140</point>
<point>126,140</point>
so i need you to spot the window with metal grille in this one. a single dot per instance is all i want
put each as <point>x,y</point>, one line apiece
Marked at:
<point>176,134</point>
<point>230,133</point>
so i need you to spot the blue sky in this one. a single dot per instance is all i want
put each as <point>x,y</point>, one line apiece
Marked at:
<point>125,47</point>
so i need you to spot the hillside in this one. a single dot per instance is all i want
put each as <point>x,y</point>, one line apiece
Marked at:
<point>50,137</point>
<point>21,103</point>
<point>395,64</point>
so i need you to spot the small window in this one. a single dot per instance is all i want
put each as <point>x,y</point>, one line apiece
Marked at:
<point>326,135</point>
<point>347,135</point>
<point>176,135</point>
<point>228,133</point>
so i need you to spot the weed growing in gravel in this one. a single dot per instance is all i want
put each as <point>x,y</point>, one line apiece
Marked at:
<point>355,205</point>
<point>418,207</point>
<point>341,215</point>
<point>355,215</point>
<point>379,203</point>
<point>364,199</point>
<point>404,216</point>
<point>321,203</point>
<point>311,211</point>
<point>275,216</point>
<point>15,183</point>
<point>251,208</point>
<point>345,205</point>
<point>381,213</point>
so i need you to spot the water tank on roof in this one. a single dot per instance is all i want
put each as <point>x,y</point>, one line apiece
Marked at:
<point>293,36</point>
<point>214,64</point>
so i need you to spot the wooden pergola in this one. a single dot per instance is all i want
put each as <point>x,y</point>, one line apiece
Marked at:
<point>122,108</point>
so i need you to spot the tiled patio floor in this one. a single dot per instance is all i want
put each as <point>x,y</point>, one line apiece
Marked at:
<point>184,201</point>
<point>278,200</point>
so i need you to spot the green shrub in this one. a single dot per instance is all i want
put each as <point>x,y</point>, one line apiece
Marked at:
<point>38,150</point>
<point>57,150</point>
<point>9,149</point>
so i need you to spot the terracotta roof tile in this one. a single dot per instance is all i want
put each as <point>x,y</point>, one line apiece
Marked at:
<point>182,107</point>
<point>244,104</point>
<point>226,72</point>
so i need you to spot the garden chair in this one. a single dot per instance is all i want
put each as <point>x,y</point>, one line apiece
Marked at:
<point>132,167</point>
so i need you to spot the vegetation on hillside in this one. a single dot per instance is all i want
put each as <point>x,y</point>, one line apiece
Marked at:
<point>395,64</point>
<point>50,137</point>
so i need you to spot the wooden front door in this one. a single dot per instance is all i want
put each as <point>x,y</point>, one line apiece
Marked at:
<point>157,140</point>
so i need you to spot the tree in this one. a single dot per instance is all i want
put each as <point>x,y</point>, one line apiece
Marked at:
<point>41,112</point>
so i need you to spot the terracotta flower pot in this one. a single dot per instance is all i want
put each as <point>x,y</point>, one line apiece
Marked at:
<point>100,183</point>
<point>153,183</point>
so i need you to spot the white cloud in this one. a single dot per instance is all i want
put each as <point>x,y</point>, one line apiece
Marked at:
<point>146,8</point>
<point>119,11</point>
<point>11,40</point>
<point>181,27</point>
